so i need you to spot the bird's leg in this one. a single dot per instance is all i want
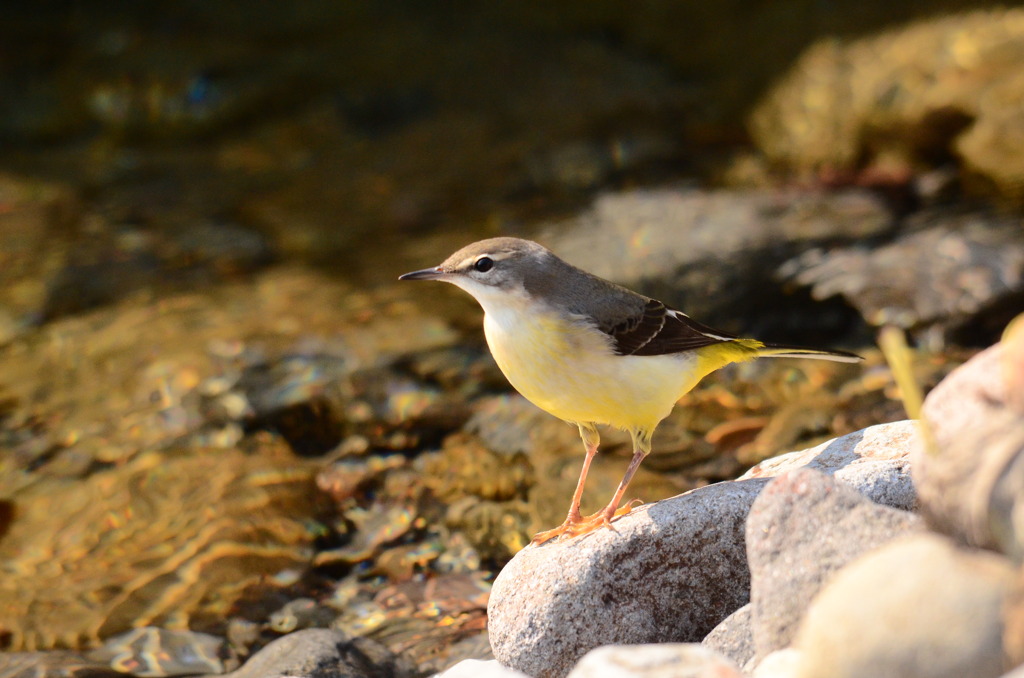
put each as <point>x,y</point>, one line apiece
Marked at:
<point>591,440</point>
<point>603,518</point>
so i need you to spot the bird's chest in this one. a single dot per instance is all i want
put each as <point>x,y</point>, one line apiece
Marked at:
<point>539,352</point>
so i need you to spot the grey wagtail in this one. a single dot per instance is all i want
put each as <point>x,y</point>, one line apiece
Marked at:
<point>591,352</point>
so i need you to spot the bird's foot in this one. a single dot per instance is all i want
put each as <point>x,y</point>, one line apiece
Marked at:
<point>577,525</point>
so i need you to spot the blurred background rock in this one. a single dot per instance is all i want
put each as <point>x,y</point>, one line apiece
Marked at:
<point>203,207</point>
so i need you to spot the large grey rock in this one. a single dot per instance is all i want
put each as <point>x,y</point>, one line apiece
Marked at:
<point>733,637</point>
<point>875,461</point>
<point>916,608</point>
<point>802,529</point>
<point>972,484</point>
<point>715,254</point>
<point>324,653</point>
<point>667,572</point>
<point>666,660</point>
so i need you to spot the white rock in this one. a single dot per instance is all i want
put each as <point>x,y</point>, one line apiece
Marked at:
<point>666,660</point>
<point>779,664</point>
<point>477,668</point>
<point>875,461</point>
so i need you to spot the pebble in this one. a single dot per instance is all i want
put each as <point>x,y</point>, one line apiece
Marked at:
<point>733,637</point>
<point>803,527</point>
<point>324,653</point>
<point>919,607</point>
<point>779,664</point>
<point>667,572</point>
<point>476,668</point>
<point>666,660</point>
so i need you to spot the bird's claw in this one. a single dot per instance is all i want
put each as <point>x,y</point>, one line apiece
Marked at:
<point>575,526</point>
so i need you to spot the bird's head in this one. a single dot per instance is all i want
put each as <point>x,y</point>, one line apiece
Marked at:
<point>492,268</point>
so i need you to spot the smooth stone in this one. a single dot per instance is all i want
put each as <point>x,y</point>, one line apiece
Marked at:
<point>972,484</point>
<point>477,668</point>
<point>802,528</point>
<point>733,637</point>
<point>919,607</point>
<point>875,461</point>
<point>666,660</point>
<point>667,572</point>
<point>779,664</point>
<point>324,653</point>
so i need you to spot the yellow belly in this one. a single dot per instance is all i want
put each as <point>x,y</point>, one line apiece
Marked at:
<point>569,370</point>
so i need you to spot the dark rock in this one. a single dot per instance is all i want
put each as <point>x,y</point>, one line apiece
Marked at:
<point>323,653</point>
<point>667,572</point>
<point>804,527</point>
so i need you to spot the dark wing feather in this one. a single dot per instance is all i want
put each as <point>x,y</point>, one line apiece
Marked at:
<point>659,330</point>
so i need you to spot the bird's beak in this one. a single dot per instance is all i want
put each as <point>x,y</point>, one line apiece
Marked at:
<point>425,274</point>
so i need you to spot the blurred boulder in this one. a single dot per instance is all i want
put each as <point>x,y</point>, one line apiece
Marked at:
<point>920,95</point>
<point>949,276</point>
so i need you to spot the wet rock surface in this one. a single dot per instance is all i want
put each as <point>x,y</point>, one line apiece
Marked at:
<point>165,548</point>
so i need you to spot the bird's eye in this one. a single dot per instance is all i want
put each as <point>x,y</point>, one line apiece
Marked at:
<point>483,264</point>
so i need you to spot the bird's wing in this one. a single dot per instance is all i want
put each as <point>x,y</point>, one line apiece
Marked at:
<point>658,330</point>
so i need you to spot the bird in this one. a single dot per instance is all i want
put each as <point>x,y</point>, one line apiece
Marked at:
<point>591,352</point>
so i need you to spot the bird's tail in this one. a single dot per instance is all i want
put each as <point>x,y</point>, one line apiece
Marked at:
<point>786,351</point>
